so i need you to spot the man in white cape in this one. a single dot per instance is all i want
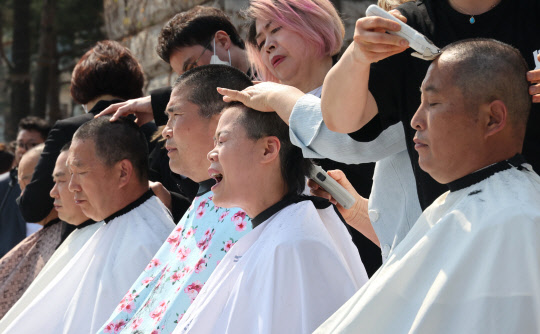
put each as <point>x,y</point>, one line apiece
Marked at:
<point>471,262</point>
<point>70,213</point>
<point>299,264</point>
<point>108,166</point>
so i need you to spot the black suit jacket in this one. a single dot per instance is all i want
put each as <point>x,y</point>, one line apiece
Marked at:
<point>36,203</point>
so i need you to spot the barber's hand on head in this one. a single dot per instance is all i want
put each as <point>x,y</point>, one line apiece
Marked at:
<point>372,43</point>
<point>534,78</point>
<point>348,214</point>
<point>257,97</point>
<point>141,107</point>
<point>162,193</point>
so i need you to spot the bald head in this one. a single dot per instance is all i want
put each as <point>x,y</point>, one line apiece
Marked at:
<point>486,70</point>
<point>27,165</point>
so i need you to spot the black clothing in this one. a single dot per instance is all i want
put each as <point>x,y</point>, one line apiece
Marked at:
<point>12,224</point>
<point>394,82</point>
<point>36,203</point>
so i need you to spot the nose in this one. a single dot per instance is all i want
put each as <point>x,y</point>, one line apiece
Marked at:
<point>74,185</point>
<point>418,120</point>
<point>212,155</point>
<point>54,191</point>
<point>167,130</point>
<point>269,44</point>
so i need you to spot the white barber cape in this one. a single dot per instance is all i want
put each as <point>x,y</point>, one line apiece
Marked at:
<point>83,295</point>
<point>60,258</point>
<point>470,264</point>
<point>288,275</point>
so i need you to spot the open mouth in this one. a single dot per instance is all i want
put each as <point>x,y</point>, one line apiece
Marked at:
<point>217,176</point>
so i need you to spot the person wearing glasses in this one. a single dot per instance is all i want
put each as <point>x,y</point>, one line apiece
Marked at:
<point>13,229</point>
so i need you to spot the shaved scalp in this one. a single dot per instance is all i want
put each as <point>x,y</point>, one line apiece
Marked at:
<point>116,141</point>
<point>202,81</point>
<point>487,70</point>
<point>33,154</point>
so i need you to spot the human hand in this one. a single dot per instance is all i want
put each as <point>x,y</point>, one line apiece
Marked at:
<point>141,107</point>
<point>162,193</point>
<point>534,78</point>
<point>372,43</point>
<point>356,210</point>
<point>259,96</point>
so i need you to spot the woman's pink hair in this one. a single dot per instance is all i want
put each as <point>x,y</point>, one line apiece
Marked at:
<point>315,20</point>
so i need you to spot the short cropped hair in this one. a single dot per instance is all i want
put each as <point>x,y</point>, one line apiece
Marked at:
<point>107,68</point>
<point>487,70</point>
<point>6,158</point>
<point>294,168</point>
<point>196,26</point>
<point>33,123</point>
<point>315,20</point>
<point>66,147</point>
<point>202,81</point>
<point>116,141</point>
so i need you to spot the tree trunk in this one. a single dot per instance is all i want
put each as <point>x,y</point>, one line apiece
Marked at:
<point>20,74</point>
<point>54,86</point>
<point>46,59</point>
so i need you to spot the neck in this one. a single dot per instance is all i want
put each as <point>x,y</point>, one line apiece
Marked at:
<point>262,200</point>
<point>239,59</point>
<point>314,78</point>
<point>473,7</point>
<point>105,97</point>
<point>127,195</point>
<point>52,215</point>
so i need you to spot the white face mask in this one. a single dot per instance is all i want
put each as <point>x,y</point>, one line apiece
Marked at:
<point>214,60</point>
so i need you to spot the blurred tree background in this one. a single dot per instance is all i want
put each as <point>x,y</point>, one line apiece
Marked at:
<point>40,42</point>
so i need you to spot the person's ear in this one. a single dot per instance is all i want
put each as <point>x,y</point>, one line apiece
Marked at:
<point>124,169</point>
<point>223,39</point>
<point>496,115</point>
<point>271,146</point>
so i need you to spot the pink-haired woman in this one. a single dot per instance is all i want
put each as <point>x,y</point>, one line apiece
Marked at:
<point>296,43</point>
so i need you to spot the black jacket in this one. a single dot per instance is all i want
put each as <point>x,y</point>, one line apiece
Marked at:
<point>36,203</point>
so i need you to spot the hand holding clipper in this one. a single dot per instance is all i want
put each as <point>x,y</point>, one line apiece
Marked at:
<point>338,192</point>
<point>424,48</point>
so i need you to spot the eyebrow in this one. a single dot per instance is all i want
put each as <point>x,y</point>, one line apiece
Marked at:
<point>76,163</point>
<point>58,174</point>
<point>222,132</point>
<point>170,109</point>
<point>429,88</point>
<point>265,28</point>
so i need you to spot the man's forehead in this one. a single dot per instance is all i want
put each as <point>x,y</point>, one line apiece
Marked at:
<point>180,101</point>
<point>81,152</point>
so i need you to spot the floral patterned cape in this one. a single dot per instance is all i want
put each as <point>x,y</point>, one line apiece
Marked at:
<point>173,278</point>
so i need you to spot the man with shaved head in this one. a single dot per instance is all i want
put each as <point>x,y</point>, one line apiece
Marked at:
<point>108,169</point>
<point>470,263</point>
<point>23,263</point>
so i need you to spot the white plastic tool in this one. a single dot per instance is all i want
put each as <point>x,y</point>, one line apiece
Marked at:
<point>340,194</point>
<point>425,49</point>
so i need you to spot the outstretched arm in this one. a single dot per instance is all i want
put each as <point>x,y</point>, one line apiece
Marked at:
<point>347,105</point>
<point>266,96</point>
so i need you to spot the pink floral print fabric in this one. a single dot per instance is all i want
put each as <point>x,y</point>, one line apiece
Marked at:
<point>173,278</point>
